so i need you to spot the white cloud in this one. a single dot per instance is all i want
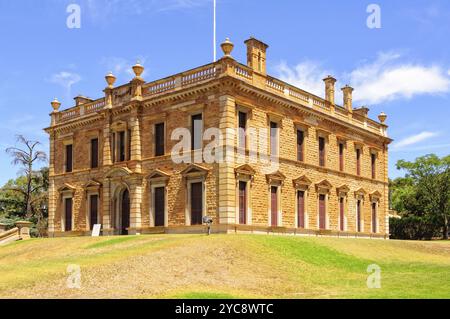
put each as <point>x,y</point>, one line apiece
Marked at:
<point>66,80</point>
<point>385,79</point>
<point>414,139</point>
<point>307,75</point>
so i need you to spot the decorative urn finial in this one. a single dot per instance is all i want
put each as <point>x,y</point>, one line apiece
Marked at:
<point>55,104</point>
<point>382,117</point>
<point>110,79</point>
<point>138,69</point>
<point>227,47</point>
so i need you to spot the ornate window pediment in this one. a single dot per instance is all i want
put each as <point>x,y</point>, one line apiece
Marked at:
<point>302,182</point>
<point>195,170</point>
<point>118,172</point>
<point>244,171</point>
<point>343,190</point>
<point>324,186</point>
<point>360,193</point>
<point>375,196</point>
<point>93,185</point>
<point>158,175</point>
<point>67,188</point>
<point>276,178</point>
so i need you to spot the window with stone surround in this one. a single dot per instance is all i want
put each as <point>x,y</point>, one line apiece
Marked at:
<point>374,165</point>
<point>242,121</point>
<point>358,161</point>
<point>69,158</point>
<point>159,139</point>
<point>197,131</point>
<point>274,138</point>
<point>341,156</point>
<point>322,150</point>
<point>300,145</point>
<point>94,153</point>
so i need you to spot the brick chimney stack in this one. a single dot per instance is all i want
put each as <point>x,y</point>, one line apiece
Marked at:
<point>330,89</point>
<point>348,98</point>
<point>256,55</point>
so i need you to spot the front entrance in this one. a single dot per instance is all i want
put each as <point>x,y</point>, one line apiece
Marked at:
<point>196,203</point>
<point>125,213</point>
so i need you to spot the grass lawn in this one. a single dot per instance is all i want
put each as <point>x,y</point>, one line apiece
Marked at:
<point>221,266</point>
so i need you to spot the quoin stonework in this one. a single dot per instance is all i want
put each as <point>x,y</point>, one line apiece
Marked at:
<point>112,160</point>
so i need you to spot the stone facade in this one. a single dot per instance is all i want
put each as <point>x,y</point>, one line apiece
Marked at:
<point>235,192</point>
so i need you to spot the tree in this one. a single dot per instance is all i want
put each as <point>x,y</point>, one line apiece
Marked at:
<point>426,190</point>
<point>26,157</point>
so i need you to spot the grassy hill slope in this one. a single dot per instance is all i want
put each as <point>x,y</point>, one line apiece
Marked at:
<point>241,266</point>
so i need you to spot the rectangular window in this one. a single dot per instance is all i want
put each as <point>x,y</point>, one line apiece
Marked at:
<point>113,147</point>
<point>242,129</point>
<point>322,151</point>
<point>341,214</point>
<point>68,214</point>
<point>93,214</point>
<point>322,212</point>
<point>160,201</point>
<point>358,162</point>
<point>273,139</point>
<point>358,216</point>
<point>300,145</point>
<point>159,140</point>
<point>94,153</point>
<point>274,205</point>
<point>196,203</point>
<point>129,145</point>
<point>122,153</point>
<point>374,165</point>
<point>301,209</point>
<point>69,158</point>
<point>242,203</point>
<point>374,218</point>
<point>197,132</point>
<point>341,157</point>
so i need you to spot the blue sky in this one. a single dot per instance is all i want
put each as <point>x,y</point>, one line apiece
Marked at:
<point>402,69</point>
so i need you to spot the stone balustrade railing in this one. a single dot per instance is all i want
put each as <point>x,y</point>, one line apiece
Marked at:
<point>224,67</point>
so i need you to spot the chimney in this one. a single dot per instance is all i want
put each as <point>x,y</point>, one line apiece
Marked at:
<point>348,99</point>
<point>256,55</point>
<point>329,88</point>
<point>80,99</point>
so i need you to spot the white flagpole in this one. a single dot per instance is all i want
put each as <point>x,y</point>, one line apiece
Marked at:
<point>214,31</point>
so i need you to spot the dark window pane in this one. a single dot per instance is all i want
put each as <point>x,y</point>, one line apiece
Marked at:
<point>341,157</point>
<point>242,203</point>
<point>94,153</point>
<point>121,146</point>
<point>322,212</point>
<point>196,203</point>
<point>274,205</point>
<point>69,158</point>
<point>93,210</point>
<point>300,145</point>
<point>159,139</point>
<point>374,166</point>
<point>68,214</point>
<point>301,209</point>
<point>358,162</point>
<point>321,151</point>
<point>160,207</point>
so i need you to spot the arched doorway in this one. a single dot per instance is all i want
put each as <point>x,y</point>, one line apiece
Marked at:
<point>125,212</point>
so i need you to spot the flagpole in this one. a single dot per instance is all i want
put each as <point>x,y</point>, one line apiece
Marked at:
<point>214,32</point>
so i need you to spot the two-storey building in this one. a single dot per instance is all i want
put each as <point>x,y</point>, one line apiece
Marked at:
<point>224,140</point>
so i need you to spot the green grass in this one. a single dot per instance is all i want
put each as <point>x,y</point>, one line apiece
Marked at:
<point>233,266</point>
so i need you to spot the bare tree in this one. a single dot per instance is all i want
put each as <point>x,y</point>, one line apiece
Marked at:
<point>26,157</point>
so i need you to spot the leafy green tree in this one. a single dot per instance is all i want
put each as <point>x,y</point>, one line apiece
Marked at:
<point>425,190</point>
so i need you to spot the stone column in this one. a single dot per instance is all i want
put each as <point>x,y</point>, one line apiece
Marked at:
<point>52,193</point>
<point>135,142</point>
<point>135,207</point>
<point>227,186</point>
<point>106,198</point>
